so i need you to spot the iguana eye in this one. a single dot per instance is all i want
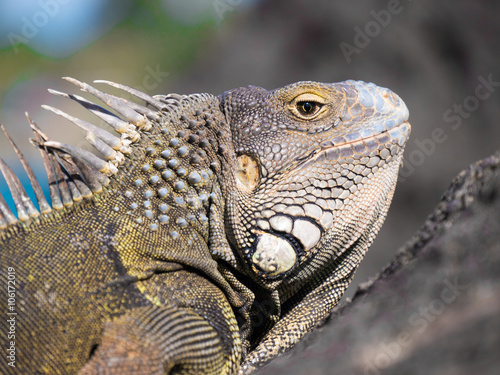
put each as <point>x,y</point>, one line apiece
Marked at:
<point>308,108</point>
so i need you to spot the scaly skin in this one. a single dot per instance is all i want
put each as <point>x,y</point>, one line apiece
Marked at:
<point>227,228</point>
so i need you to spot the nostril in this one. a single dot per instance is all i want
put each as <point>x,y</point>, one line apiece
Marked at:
<point>391,97</point>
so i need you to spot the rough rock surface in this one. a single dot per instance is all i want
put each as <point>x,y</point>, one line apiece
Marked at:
<point>435,309</point>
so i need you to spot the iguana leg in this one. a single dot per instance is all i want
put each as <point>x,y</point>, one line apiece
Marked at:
<point>158,340</point>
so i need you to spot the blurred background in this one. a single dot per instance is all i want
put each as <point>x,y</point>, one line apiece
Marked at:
<point>440,56</point>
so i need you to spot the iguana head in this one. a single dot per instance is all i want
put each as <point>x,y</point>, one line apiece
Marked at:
<point>316,169</point>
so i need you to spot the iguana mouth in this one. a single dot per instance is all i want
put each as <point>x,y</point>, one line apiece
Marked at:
<point>340,147</point>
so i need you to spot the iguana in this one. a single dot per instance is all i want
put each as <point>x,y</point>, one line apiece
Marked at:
<point>208,234</point>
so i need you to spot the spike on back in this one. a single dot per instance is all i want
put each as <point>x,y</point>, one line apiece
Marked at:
<point>75,174</point>
<point>42,202</point>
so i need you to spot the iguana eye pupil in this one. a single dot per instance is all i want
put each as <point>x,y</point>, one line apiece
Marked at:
<point>307,108</point>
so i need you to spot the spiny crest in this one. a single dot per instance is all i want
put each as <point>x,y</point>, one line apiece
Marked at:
<point>75,174</point>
